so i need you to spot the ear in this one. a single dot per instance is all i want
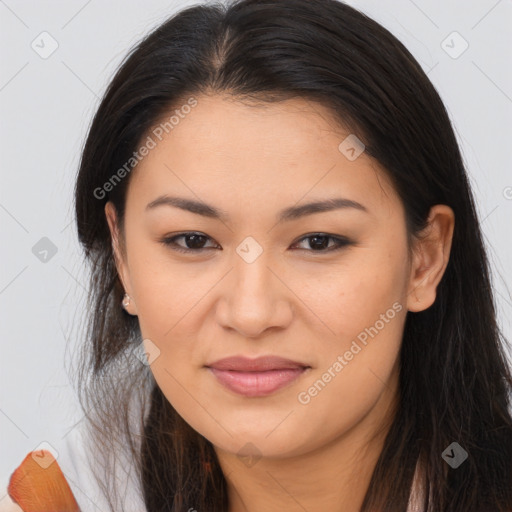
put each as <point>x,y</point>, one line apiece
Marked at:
<point>431,253</point>
<point>121,265</point>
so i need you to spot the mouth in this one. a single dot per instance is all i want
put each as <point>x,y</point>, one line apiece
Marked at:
<point>256,377</point>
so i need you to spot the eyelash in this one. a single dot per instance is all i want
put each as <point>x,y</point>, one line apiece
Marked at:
<point>170,242</point>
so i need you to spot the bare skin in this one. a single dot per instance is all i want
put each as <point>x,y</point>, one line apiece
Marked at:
<point>294,300</point>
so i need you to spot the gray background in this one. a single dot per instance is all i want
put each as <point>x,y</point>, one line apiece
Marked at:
<point>46,106</point>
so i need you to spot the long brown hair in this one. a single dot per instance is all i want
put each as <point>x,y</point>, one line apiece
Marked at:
<point>454,380</point>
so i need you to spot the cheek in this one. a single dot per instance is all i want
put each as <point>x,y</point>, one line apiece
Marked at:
<point>165,292</point>
<point>352,296</point>
<point>173,303</point>
<point>355,368</point>
<point>362,315</point>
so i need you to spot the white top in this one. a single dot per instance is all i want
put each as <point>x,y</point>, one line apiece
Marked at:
<point>76,467</point>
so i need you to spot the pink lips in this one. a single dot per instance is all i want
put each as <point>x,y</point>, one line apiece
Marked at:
<point>256,377</point>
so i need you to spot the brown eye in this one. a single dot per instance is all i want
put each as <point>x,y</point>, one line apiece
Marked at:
<point>194,242</point>
<point>319,242</point>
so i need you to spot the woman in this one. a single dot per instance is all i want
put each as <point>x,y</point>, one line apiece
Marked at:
<point>291,305</point>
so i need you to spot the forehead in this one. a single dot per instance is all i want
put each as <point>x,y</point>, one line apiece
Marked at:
<point>266,155</point>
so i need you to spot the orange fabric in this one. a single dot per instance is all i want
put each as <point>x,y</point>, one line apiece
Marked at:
<point>38,485</point>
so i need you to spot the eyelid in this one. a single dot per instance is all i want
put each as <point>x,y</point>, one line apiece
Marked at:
<point>341,242</point>
<point>169,241</point>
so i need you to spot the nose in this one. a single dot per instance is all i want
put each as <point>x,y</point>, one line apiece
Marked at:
<point>254,299</point>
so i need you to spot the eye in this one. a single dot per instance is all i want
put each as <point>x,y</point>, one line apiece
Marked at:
<point>319,242</point>
<point>194,242</point>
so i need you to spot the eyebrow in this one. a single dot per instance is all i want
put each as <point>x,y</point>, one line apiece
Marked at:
<point>288,214</point>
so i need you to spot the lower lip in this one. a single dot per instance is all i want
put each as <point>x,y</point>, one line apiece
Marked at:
<point>257,383</point>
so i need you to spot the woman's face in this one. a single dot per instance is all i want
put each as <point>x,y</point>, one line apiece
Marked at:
<point>257,282</point>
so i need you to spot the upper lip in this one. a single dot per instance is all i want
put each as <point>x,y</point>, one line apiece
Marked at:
<point>263,363</point>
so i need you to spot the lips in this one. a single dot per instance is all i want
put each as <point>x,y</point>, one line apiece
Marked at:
<point>260,364</point>
<point>256,377</point>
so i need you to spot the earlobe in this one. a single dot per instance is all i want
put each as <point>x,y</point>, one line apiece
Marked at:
<point>431,255</point>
